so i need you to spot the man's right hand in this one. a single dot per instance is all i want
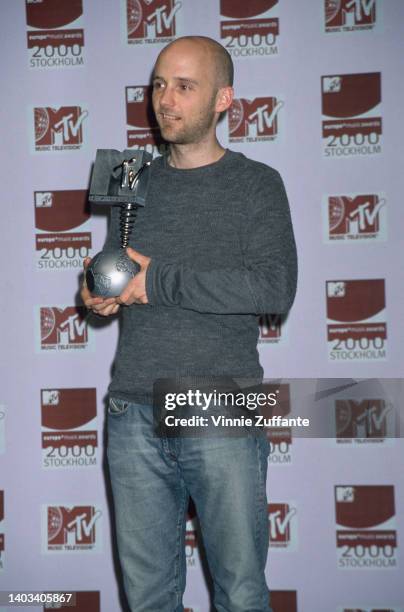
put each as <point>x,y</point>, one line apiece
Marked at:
<point>98,305</point>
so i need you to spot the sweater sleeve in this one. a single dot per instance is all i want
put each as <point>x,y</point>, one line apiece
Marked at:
<point>266,283</point>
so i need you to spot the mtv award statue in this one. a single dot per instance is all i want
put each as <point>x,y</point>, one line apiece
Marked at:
<point>118,179</point>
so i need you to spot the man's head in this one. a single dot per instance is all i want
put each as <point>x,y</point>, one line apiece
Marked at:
<point>192,85</point>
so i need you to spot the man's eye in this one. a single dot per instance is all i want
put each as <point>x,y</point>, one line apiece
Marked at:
<point>185,87</point>
<point>157,85</point>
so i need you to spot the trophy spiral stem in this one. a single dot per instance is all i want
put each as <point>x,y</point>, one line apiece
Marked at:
<point>127,220</point>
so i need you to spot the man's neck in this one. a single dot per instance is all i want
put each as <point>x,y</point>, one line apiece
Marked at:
<point>195,155</point>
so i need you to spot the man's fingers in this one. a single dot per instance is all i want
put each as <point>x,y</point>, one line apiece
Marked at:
<point>86,263</point>
<point>96,304</point>
<point>127,299</point>
<point>109,310</point>
<point>92,301</point>
<point>124,297</point>
<point>142,260</point>
<point>132,300</point>
<point>102,303</point>
<point>104,310</point>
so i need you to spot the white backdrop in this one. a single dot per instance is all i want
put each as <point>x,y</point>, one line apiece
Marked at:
<point>322,102</point>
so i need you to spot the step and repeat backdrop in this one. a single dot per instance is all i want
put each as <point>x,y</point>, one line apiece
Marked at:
<point>318,95</point>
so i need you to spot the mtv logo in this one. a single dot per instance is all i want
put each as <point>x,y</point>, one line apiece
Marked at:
<point>139,110</point>
<point>72,525</point>
<point>351,95</point>
<point>357,300</point>
<point>43,199</point>
<point>48,14</point>
<point>270,326</point>
<point>240,9</point>
<point>332,84</point>
<point>190,534</point>
<point>366,507</point>
<point>86,601</point>
<point>61,210</point>
<point>134,94</point>
<point>254,118</point>
<point>362,419</point>
<point>344,494</point>
<point>350,12</point>
<point>279,516</point>
<point>76,408</point>
<point>283,601</point>
<point>152,20</point>
<point>50,397</point>
<point>335,288</point>
<point>63,326</point>
<point>354,215</point>
<point>62,126</point>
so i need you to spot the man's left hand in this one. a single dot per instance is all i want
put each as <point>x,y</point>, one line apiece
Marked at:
<point>135,290</point>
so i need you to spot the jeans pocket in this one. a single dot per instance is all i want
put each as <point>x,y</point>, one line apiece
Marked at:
<point>117,407</point>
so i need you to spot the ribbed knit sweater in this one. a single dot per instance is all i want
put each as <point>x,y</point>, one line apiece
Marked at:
<point>222,252</point>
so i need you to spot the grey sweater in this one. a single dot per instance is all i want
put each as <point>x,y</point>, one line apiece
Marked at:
<point>222,252</point>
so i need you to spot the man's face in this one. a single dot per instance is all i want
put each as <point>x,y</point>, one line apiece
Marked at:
<point>184,93</point>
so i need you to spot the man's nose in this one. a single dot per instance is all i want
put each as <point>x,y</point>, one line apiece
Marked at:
<point>167,96</point>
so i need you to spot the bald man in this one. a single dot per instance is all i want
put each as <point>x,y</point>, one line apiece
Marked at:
<point>216,249</point>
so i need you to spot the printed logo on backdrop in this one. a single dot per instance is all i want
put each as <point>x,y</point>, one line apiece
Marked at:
<point>272,328</point>
<point>62,329</point>
<point>2,529</point>
<point>2,429</point>
<point>254,120</point>
<point>151,21</point>
<point>366,527</point>
<point>55,36</point>
<point>356,320</point>
<point>355,217</point>
<point>71,528</point>
<point>351,107</point>
<point>367,421</point>
<point>280,438</point>
<point>86,601</point>
<point>283,601</point>
<point>250,29</point>
<point>57,213</point>
<point>142,127</point>
<point>191,539</point>
<point>385,608</point>
<point>282,519</point>
<point>58,129</point>
<point>69,428</point>
<point>350,15</point>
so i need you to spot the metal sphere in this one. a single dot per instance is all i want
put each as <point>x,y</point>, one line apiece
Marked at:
<point>109,272</point>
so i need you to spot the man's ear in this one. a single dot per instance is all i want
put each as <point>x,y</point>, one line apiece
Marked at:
<point>224,99</point>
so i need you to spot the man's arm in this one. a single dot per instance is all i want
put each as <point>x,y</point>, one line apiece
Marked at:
<point>265,283</point>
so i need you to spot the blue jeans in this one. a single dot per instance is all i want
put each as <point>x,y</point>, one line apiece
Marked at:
<point>152,479</point>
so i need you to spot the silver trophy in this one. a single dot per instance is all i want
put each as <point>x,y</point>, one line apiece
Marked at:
<point>119,179</point>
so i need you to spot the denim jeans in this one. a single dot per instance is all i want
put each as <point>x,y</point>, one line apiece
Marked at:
<point>152,479</point>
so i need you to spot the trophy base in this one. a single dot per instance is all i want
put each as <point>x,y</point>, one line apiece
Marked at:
<point>109,272</point>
